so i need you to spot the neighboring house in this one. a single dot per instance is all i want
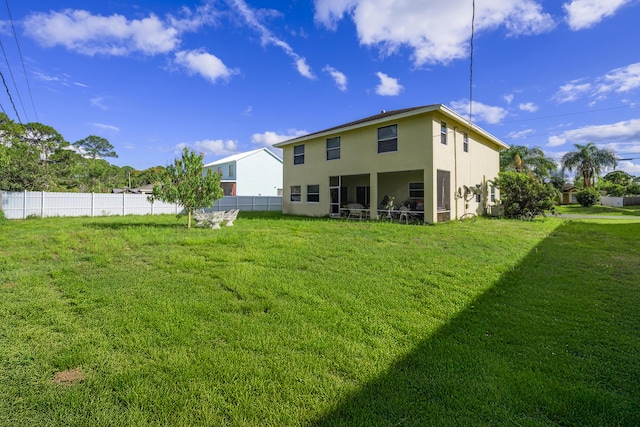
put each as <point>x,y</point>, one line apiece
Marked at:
<point>569,193</point>
<point>145,189</point>
<point>253,173</point>
<point>423,157</point>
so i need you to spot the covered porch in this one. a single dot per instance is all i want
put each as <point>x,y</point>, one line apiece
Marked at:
<point>398,195</point>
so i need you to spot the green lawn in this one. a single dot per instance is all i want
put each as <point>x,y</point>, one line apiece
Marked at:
<point>289,321</point>
<point>598,210</point>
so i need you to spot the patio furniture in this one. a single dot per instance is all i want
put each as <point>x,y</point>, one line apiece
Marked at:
<point>231,216</point>
<point>356,211</point>
<point>209,219</point>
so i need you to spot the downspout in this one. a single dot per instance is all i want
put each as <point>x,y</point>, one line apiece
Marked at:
<point>455,167</point>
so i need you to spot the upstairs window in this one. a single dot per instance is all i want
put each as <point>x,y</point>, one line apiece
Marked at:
<point>298,155</point>
<point>388,139</point>
<point>232,170</point>
<point>465,142</point>
<point>333,148</point>
<point>443,133</point>
<point>313,193</point>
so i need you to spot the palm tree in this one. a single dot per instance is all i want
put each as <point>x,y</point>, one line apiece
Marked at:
<point>531,161</point>
<point>588,162</point>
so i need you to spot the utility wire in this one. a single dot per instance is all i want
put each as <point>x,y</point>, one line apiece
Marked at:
<point>15,36</point>
<point>10,98</point>
<point>13,79</point>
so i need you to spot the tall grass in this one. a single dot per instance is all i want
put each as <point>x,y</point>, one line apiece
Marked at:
<point>293,321</point>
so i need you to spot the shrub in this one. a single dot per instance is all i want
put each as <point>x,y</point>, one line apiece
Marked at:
<point>588,197</point>
<point>2,216</point>
<point>523,196</point>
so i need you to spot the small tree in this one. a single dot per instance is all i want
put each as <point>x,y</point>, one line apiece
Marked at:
<point>185,183</point>
<point>523,196</point>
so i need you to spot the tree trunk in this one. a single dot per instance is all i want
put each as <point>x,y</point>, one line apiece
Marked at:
<point>189,218</point>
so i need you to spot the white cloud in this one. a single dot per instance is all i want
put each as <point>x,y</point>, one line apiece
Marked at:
<point>108,128</point>
<point>508,98</point>
<point>480,112</point>
<point>98,102</point>
<point>268,138</point>
<point>82,32</point>
<point>209,146</point>
<point>388,86</point>
<point>624,132</point>
<point>205,64</point>
<point>268,38</point>
<point>572,91</point>
<point>629,167</point>
<point>528,106</point>
<point>338,77</point>
<point>583,14</point>
<point>436,31</point>
<point>520,134</point>
<point>619,80</point>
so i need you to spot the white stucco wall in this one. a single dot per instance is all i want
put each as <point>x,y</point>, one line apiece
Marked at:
<point>259,174</point>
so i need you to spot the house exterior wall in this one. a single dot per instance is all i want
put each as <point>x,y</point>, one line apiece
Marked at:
<point>259,174</point>
<point>419,156</point>
<point>255,173</point>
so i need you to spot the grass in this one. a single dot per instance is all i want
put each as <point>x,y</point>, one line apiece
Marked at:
<point>598,210</point>
<point>291,321</point>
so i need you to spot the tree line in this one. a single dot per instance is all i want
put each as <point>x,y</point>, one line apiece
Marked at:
<point>36,157</point>
<point>531,183</point>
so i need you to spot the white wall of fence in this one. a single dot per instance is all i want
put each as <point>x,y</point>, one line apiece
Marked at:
<point>616,202</point>
<point>16,205</point>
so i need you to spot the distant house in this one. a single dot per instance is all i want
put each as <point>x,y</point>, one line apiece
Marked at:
<point>253,173</point>
<point>569,194</point>
<point>145,189</point>
<point>421,157</point>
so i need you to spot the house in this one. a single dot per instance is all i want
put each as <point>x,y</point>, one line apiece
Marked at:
<point>569,193</point>
<point>428,158</point>
<point>253,173</point>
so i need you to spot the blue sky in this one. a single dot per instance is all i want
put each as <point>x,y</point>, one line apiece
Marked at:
<point>226,76</point>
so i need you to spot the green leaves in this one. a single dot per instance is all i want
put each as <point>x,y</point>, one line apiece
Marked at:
<point>185,183</point>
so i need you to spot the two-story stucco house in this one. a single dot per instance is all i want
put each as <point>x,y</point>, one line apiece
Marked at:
<point>422,157</point>
<point>252,173</point>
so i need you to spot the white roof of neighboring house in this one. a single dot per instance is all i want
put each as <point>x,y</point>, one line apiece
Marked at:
<point>240,156</point>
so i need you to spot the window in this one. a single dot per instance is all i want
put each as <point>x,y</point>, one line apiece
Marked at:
<point>220,170</point>
<point>232,170</point>
<point>296,195</point>
<point>465,142</point>
<point>443,133</point>
<point>478,193</point>
<point>333,148</point>
<point>313,193</point>
<point>493,194</point>
<point>416,190</point>
<point>388,139</point>
<point>298,155</point>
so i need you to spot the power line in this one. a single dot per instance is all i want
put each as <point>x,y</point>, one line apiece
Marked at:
<point>10,98</point>
<point>15,36</point>
<point>13,80</point>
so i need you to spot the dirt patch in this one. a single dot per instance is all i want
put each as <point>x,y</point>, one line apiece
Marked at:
<point>9,285</point>
<point>68,377</point>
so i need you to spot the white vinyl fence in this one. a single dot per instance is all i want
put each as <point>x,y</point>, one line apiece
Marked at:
<point>18,205</point>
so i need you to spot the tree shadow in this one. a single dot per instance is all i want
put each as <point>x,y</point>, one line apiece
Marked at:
<point>554,342</point>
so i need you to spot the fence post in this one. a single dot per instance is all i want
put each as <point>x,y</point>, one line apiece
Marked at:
<point>123,193</point>
<point>93,205</point>
<point>24,205</point>
<point>42,204</point>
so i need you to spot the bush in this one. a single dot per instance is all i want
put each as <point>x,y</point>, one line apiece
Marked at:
<point>2,216</point>
<point>588,197</point>
<point>523,196</point>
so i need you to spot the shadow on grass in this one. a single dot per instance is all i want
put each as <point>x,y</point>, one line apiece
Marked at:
<point>554,342</point>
